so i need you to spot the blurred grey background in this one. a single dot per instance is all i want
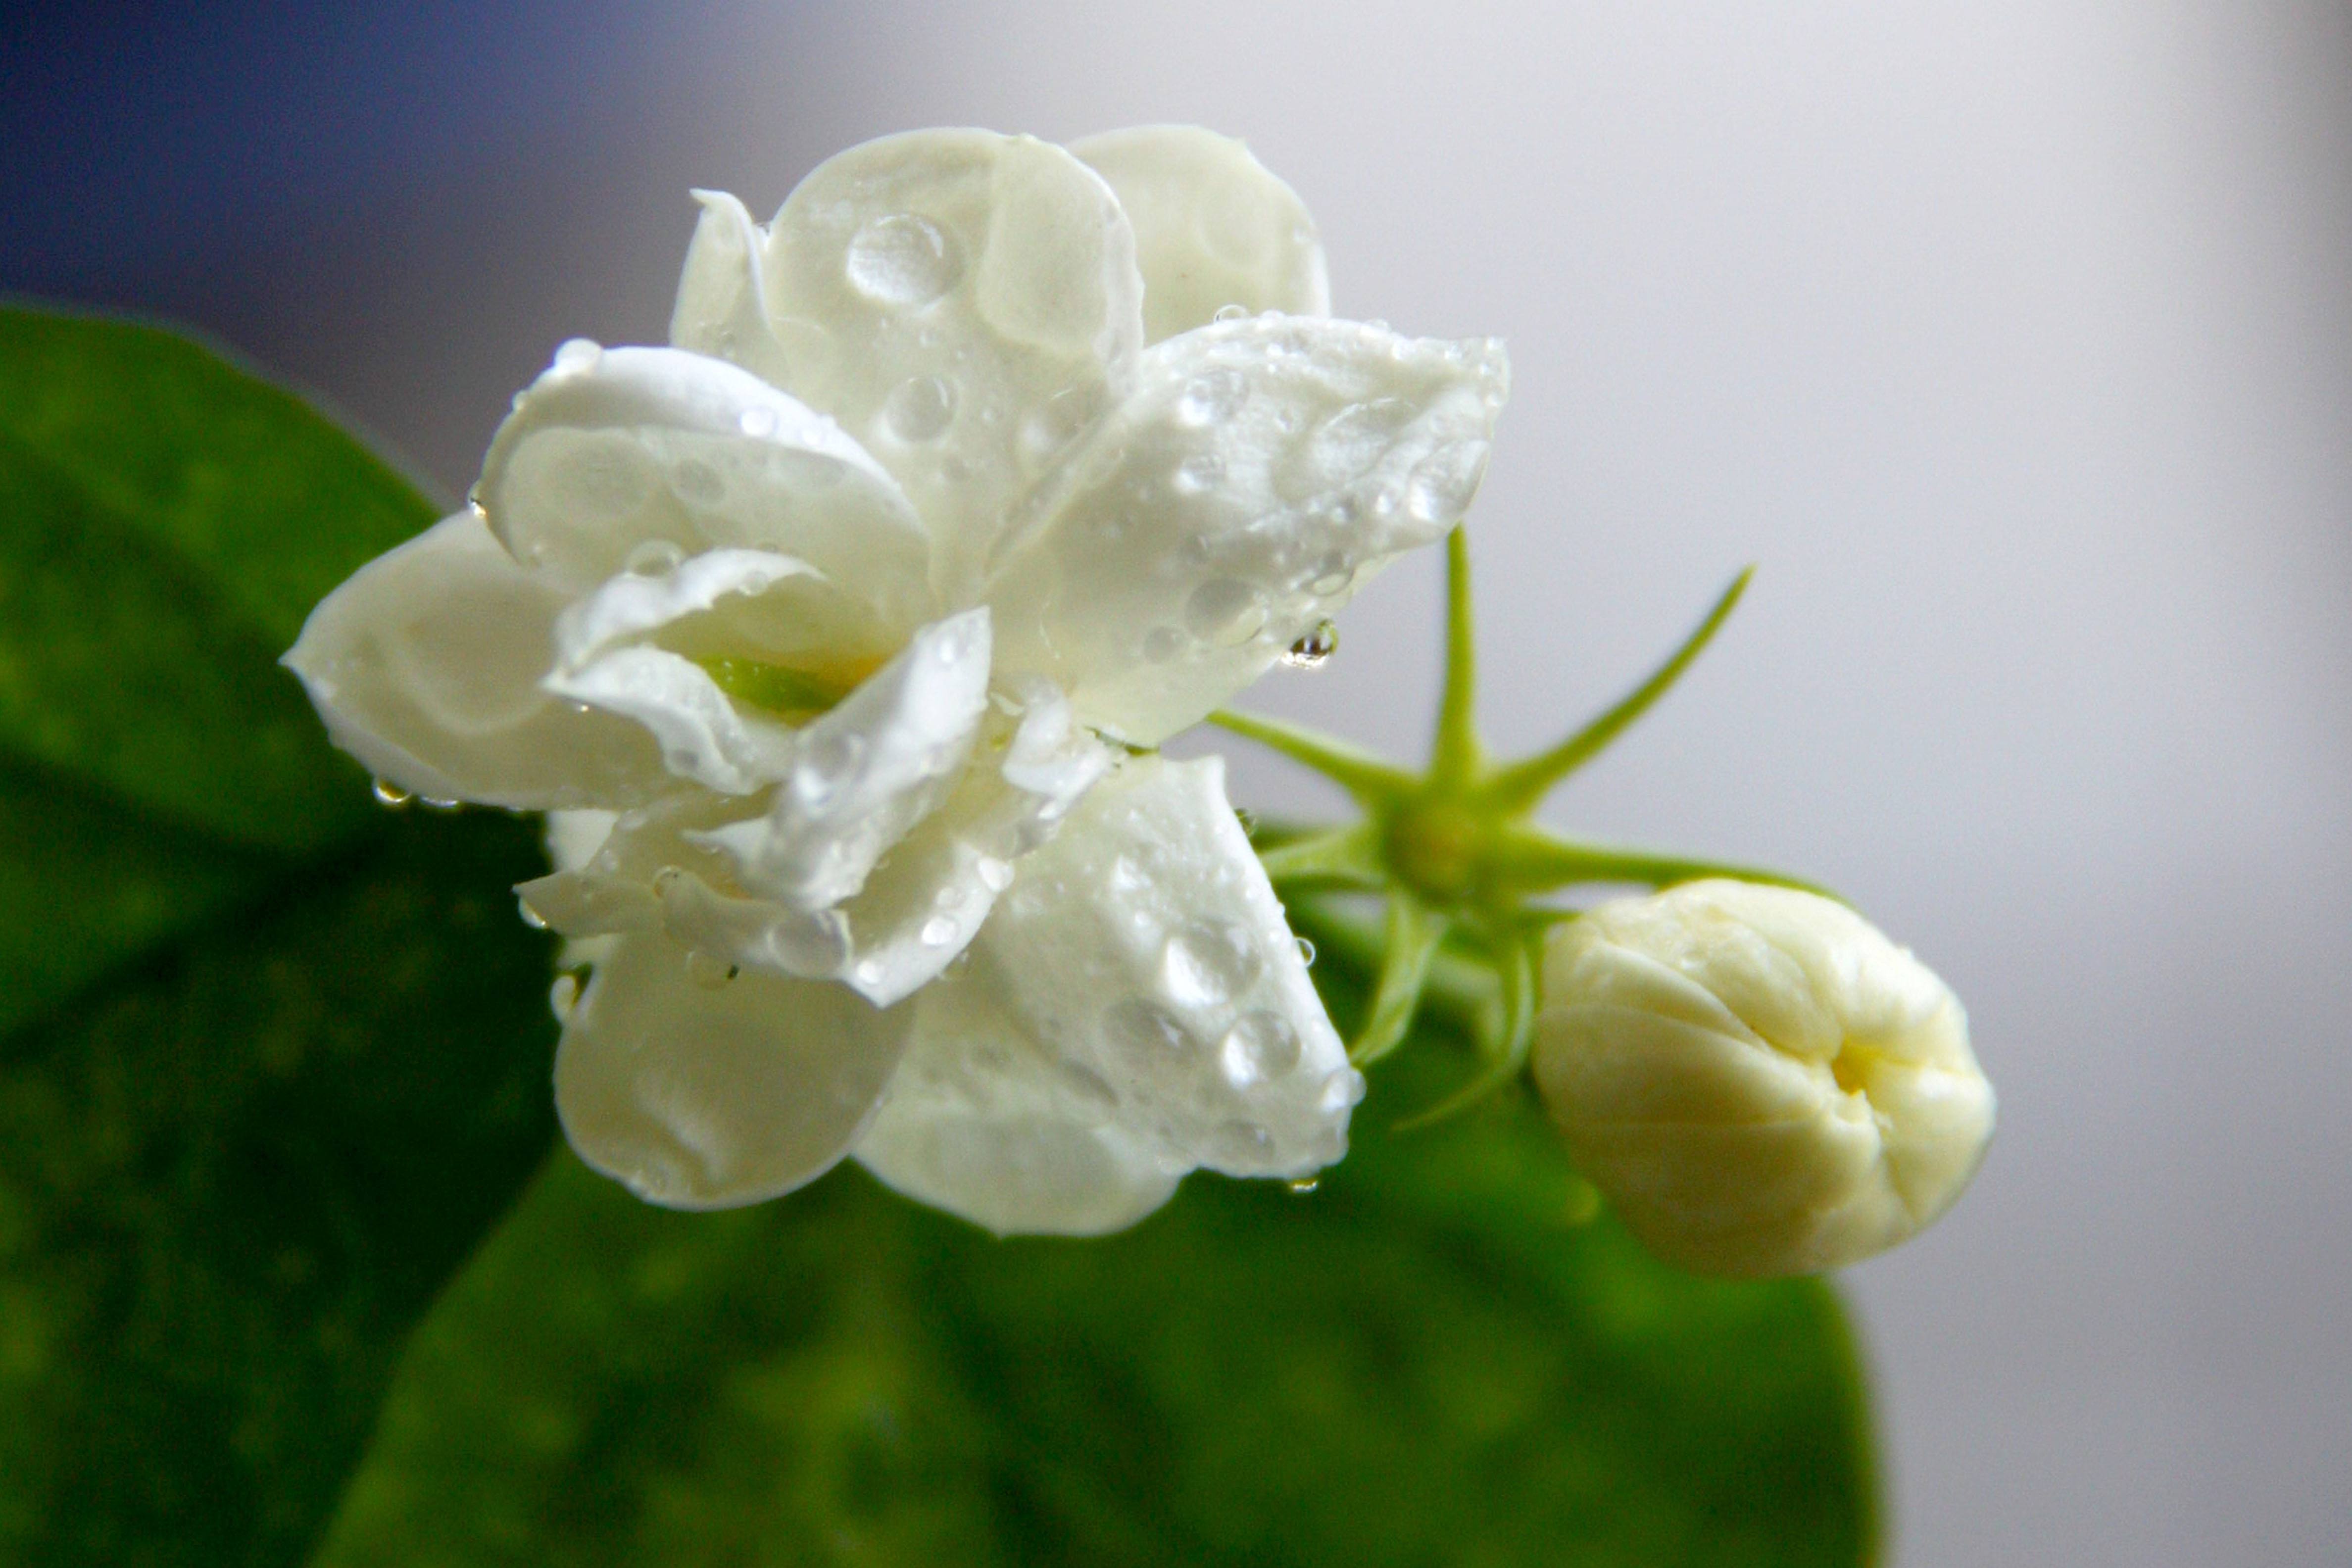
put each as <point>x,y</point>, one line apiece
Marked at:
<point>2013,340</point>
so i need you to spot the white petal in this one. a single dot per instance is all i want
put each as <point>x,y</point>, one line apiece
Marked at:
<point>863,775</point>
<point>1212,228</point>
<point>982,1122</point>
<point>709,1096</point>
<point>671,868</point>
<point>740,602</point>
<point>426,665</point>
<point>920,908</point>
<point>1262,470</point>
<point>965,303</point>
<point>615,451</point>
<point>1141,993</point>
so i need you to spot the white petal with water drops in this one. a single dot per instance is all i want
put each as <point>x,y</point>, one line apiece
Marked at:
<point>1177,557</point>
<point>1214,230</point>
<point>704,1096</point>
<point>999,266</point>
<point>427,663</point>
<point>1140,953</point>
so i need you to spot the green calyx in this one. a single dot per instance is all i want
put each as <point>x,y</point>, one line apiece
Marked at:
<point>1455,848</point>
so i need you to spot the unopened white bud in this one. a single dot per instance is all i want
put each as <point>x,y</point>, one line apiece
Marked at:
<point>1758,1079</point>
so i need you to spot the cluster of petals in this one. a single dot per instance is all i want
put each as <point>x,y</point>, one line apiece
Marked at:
<point>836,636</point>
<point>1759,1081</point>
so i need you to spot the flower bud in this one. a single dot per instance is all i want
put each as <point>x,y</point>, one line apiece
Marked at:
<point>1759,1081</point>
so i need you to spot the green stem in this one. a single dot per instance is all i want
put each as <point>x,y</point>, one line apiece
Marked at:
<point>1414,932</point>
<point>1534,861</point>
<point>1455,754</point>
<point>1372,780</point>
<point>1506,1044</point>
<point>1340,857</point>
<point>1517,789</point>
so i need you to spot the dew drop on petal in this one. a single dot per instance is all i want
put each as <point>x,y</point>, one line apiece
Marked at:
<point>825,765</point>
<point>921,408</point>
<point>870,972</point>
<point>530,917</point>
<point>562,997</point>
<point>1442,487</point>
<point>654,558</point>
<point>474,504</point>
<point>1241,1141</point>
<point>1260,1046</point>
<point>901,259</point>
<point>1145,1031</point>
<point>1231,313</point>
<point>1314,650</point>
<point>390,793</point>
<point>757,423</point>
<point>436,803</point>
<point>938,931</point>
<point>1225,612</point>
<point>995,875</point>
<point>1211,399</point>
<point>1200,472</point>
<point>578,354</point>
<point>1304,1186</point>
<point>1208,963</point>
<point>1341,1090</point>
<point>1305,952</point>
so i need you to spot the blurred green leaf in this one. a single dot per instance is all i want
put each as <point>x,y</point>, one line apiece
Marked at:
<point>1423,1362</point>
<point>234,1175</point>
<point>166,522</point>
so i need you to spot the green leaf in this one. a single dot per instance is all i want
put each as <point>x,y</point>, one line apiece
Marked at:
<point>1426,1361</point>
<point>229,1184</point>
<point>166,522</point>
<point>271,1060</point>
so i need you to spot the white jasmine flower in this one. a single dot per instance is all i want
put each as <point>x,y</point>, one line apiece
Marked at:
<point>1758,1080</point>
<point>814,628</point>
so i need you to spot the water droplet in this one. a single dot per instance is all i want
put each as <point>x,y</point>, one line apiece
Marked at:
<point>1242,1143</point>
<point>697,483</point>
<point>938,931</point>
<point>1307,952</point>
<point>759,423</point>
<point>1208,963</point>
<point>390,793</point>
<point>1314,650</point>
<point>995,875</point>
<point>530,917</point>
<point>1231,313</point>
<point>708,972</point>
<point>1442,487</point>
<point>870,972</point>
<point>1246,817</point>
<point>1161,644</point>
<point>921,408</point>
<point>578,354</point>
<point>827,762</point>
<point>438,803</point>
<point>474,504</point>
<point>1225,611</point>
<point>654,558</point>
<point>1145,1030</point>
<point>1260,1046</point>
<point>562,997</point>
<point>1199,472</point>
<point>1304,1186</point>
<point>1211,399</point>
<point>1089,1086</point>
<point>1340,1091</point>
<point>901,259</point>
